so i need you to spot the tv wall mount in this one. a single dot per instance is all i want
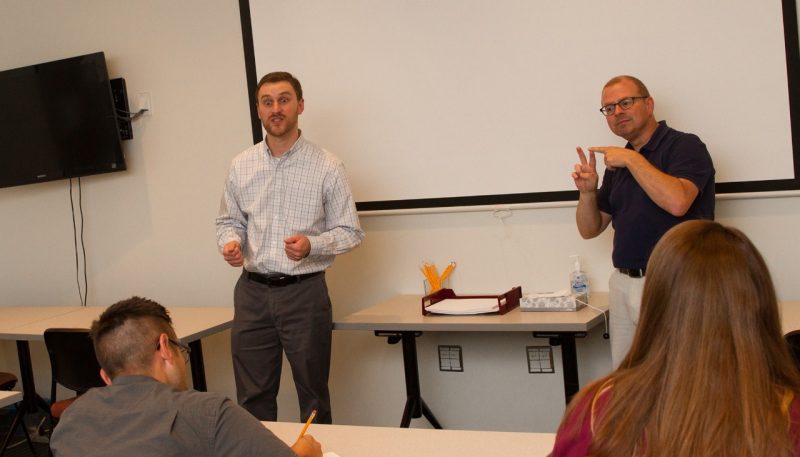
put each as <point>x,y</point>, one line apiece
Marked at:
<point>124,116</point>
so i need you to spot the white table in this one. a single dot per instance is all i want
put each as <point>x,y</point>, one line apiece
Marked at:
<point>28,323</point>
<point>401,319</point>
<point>191,323</point>
<point>359,441</point>
<point>12,317</point>
<point>9,398</point>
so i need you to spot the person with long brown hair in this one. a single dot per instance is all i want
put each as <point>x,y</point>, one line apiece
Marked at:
<point>708,374</point>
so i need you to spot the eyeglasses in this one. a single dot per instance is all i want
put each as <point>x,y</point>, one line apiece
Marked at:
<point>184,348</point>
<point>625,104</point>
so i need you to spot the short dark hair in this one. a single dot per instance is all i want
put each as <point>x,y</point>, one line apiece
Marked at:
<point>123,334</point>
<point>278,76</point>
<point>636,81</point>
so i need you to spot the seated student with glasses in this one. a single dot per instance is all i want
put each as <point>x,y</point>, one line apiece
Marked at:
<point>660,178</point>
<point>147,410</point>
<point>183,347</point>
<point>709,373</point>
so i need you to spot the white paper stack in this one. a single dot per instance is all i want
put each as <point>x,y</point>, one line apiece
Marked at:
<point>464,306</point>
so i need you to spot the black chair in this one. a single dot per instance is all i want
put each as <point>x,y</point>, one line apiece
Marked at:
<point>7,382</point>
<point>73,364</point>
<point>793,340</point>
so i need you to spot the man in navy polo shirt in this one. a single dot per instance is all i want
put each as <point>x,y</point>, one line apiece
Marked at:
<point>660,178</point>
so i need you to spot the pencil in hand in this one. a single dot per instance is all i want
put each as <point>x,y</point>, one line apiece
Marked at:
<point>308,422</point>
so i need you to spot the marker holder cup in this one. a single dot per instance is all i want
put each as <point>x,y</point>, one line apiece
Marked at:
<point>426,286</point>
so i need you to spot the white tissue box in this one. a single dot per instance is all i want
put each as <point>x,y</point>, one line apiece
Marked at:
<point>552,301</point>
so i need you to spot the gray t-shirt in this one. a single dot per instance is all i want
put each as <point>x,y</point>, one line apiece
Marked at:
<point>138,415</point>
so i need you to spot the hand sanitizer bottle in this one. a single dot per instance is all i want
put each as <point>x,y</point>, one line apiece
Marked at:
<point>578,285</point>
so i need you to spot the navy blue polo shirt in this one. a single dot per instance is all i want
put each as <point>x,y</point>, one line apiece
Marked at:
<point>638,222</point>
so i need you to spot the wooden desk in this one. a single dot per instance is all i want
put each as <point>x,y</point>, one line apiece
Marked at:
<point>401,319</point>
<point>12,317</point>
<point>790,315</point>
<point>28,323</point>
<point>358,441</point>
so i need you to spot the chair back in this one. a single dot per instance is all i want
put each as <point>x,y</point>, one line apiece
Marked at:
<point>72,360</point>
<point>7,380</point>
<point>793,340</point>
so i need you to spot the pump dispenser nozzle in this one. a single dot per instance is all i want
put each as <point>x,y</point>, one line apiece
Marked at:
<point>577,262</point>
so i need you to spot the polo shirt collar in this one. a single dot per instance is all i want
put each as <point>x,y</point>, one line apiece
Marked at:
<point>657,138</point>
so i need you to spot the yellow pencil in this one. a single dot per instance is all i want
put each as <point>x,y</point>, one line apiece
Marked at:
<point>308,422</point>
<point>447,271</point>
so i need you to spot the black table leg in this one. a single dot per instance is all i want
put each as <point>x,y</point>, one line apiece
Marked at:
<point>18,421</point>
<point>198,367</point>
<point>569,358</point>
<point>415,405</point>
<point>30,400</point>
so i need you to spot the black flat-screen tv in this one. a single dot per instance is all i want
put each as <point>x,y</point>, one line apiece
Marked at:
<point>58,120</point>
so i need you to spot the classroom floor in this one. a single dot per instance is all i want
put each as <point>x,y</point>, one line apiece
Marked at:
<point>18,447</point>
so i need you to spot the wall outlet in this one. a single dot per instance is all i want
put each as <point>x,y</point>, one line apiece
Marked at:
<point>540,359</point>
<point>142,101</point>
<point>450,358</point>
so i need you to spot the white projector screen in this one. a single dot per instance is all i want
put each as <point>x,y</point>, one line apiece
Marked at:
<point>436,103</point>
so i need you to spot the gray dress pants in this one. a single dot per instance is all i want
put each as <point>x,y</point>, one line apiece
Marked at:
<point>268,321</point>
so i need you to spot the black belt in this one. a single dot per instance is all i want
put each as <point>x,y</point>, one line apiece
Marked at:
<point>632,272</point>
<point>279,279</point>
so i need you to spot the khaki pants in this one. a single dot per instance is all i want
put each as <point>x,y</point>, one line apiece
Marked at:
<point>624,303</point>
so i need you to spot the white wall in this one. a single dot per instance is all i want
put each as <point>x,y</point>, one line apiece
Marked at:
<point>149,230</point>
